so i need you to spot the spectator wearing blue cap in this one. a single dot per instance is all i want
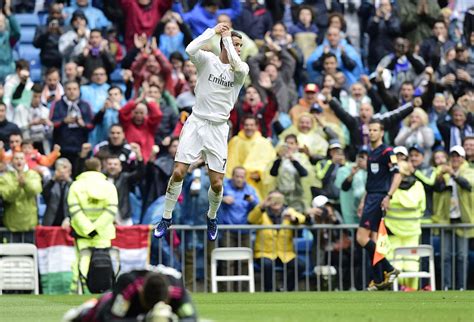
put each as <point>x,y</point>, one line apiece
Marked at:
<point>416,130</point>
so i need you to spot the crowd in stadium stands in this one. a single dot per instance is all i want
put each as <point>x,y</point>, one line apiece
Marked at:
<point>112,80</point>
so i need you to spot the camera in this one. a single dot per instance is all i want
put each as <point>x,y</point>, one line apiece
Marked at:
<point>315,108</point>
<point>246,197</point>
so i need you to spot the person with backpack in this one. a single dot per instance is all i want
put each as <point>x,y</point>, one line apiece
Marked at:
<point>93,205</point>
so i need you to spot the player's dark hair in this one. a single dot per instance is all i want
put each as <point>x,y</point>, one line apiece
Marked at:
<point>155,289</point>
<point>377,121</point>
<point>232,34</point>
<point>291,136</point>
<point>408,83</point>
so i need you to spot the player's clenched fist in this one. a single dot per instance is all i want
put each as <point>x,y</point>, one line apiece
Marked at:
<point>220,28</point>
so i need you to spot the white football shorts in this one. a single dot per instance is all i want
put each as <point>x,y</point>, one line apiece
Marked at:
<point>200,137</point>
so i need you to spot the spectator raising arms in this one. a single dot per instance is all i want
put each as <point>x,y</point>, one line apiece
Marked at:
<point>140,119</point>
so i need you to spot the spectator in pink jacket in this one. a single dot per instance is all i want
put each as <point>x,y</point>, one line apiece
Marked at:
<point>140,119</point>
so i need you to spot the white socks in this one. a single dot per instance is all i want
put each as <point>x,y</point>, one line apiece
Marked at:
<point>214,202</point>
<point>172,194</point>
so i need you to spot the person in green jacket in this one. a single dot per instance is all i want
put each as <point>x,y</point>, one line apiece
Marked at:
<point>403,222</point>
<point>351,180</point>
<point>19,188</point>
<point>456,184</point>
<point>417,18</point>
<point>93,204</point>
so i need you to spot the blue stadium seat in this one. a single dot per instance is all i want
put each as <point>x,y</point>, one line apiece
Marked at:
<point>43,17</point>
<point>27,19</point>
<point>27,35</point>
<point>32,55</point>
<point>35,74</point>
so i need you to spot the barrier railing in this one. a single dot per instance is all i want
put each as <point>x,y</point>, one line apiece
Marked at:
<point>326,257</point>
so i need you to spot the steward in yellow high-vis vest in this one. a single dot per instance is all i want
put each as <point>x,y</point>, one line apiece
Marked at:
<point>93,204</point>
<point>403,219</point>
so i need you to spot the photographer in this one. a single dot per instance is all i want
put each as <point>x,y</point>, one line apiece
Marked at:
<point>47,40</point>
<point>275,247</point>
<point>288,170</point>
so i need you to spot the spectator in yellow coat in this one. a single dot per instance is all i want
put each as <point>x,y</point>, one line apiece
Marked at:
<point>250,150</point>
<point>275,246</point>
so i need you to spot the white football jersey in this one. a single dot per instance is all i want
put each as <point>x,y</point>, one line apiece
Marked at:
<point>218,84</point>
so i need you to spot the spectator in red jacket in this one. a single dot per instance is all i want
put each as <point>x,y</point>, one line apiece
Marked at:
<point>252,104</point>
<point>140,120</point>
<point>142,16</point>
<point>149,62</point>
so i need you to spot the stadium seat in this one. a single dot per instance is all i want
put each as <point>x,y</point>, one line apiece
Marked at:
<point>27,19</point>
<point>19,267</point>
<point>420,251</point>
<point>27,35</point>
<point>232,254</point>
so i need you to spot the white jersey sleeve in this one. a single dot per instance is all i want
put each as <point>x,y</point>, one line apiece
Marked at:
<point>240,68</point>
<point>198,56</point>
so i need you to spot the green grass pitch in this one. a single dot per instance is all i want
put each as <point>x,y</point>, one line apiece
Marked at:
<point>279,307</point>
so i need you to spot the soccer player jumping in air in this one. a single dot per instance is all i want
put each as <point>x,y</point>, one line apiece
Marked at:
<point>383,180</point>
<point>205,132</point>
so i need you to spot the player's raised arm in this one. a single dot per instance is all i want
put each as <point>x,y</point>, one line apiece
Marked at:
<point>234,58</point>
<point>194,46</point>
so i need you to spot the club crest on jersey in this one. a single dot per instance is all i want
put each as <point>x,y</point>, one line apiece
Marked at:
<point>220,80</point>
<point>374,167</point>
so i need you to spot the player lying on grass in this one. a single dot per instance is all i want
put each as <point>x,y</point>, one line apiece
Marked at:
<point>154,295</point>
